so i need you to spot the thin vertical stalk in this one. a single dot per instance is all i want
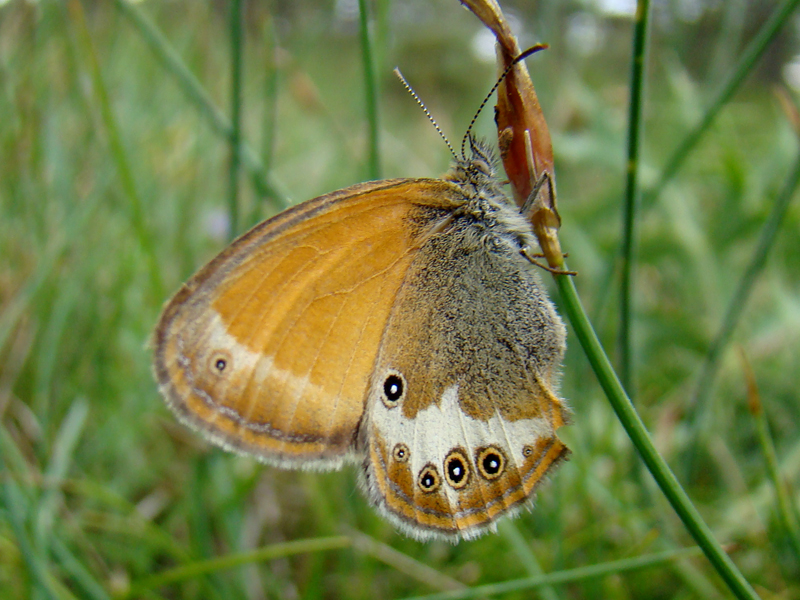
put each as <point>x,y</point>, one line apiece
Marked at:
<point>638,63</point>
<point>751,55</point>
<point>641,440</point>
<point>269,117</point>
<point>237,44</point>
<point>728,41</point>
<point>270,114</point>
<point>262,181</point>
<point>371,92</point>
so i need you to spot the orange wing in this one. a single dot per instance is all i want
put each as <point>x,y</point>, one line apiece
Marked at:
<point>269,348</point>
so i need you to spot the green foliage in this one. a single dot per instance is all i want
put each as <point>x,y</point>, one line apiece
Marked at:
<point>115,185</point>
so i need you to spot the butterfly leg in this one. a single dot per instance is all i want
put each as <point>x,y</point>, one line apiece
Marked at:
<point>532,259</point>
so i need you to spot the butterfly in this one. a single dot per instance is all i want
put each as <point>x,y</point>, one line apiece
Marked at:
<point>399,324</point>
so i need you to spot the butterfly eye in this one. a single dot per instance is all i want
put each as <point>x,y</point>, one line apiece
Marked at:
<point>456,469</point>
<point>429,480</point>
<point>400,453</point>
<point>493,244</point>
<point>220,363</point>
<point>394,387</point>
<point>491,462</point>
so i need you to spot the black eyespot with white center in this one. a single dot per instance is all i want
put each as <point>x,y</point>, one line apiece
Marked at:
<point>429,480</point>
<point>490,462</point>
<point>220,362</point>
<point>456,468</point>
<point>400,453</point>
<point>394,389</point>
<point>527,451</point>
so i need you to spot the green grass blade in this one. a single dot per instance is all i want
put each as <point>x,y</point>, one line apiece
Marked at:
<point>567,576</point>
<point>46,265</point>
<point>636,103</point>
<point>270,115</point>
<point>700,408</point>
<point>263,182</point>
<point>89,586</point>
<point>728,41</point>
<point>61,457</point>
<point>237,52</point>
<point>114,513</point>
<point>780,485</point>
<point>16,510</point>
<point>70,295</point>
<point>752,53</point>
<point>13,464</point>
<point>509,530</point>
<point>118,151</point>
<point>403,563</point>
<point>230,561</point>
<point>41,514</point>
<point>370,92</point>
<point>202,525</point>
<point>644,444</point>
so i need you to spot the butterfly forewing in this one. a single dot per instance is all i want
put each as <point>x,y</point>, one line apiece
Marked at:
<point>269,348</point>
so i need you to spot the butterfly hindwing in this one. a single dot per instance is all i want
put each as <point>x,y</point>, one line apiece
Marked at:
<point>462,413</point>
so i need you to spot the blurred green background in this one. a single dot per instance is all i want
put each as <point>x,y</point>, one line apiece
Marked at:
<point>115,187</point>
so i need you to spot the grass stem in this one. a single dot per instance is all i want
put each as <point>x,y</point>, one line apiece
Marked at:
<point>370,92</point>
<point>566,576</point>
<point>237,46</point>
<point>636,103</point>
<point>118,151</point>
<point>643,443</point>
<point>230,561</point>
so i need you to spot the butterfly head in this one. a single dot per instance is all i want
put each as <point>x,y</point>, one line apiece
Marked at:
<point>479,169</point>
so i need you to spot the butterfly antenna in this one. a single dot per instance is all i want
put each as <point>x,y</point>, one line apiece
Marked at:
<point>520,58</point>
<point>424,108</point>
